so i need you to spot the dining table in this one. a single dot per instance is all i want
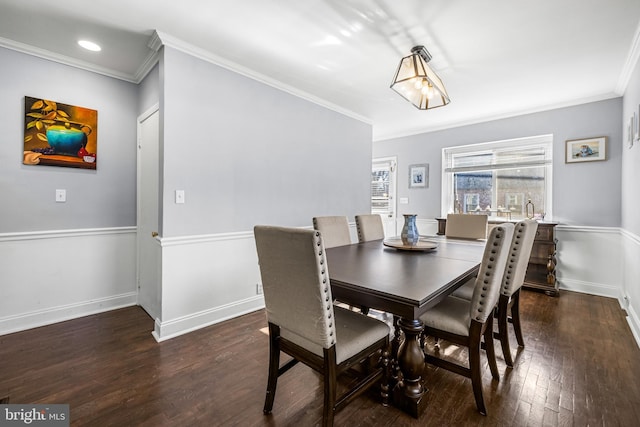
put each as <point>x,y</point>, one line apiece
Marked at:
<point>406,282</point>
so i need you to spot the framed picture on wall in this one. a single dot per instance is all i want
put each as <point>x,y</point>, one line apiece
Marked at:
<point>637,136</point>
<point>586,150</point>
<point>57,134</point>
<point>419,176</point>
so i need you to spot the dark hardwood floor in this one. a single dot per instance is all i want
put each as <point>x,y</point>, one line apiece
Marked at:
<point>580,367</point>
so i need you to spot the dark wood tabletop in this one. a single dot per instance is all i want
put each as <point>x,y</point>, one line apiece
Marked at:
<point>405,283</point>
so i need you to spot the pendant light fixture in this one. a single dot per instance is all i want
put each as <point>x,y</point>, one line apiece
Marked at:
<point>418,83</point>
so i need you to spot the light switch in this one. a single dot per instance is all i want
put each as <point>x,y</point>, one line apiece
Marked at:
<point>180,196</point>
<point>61,196</point>
<point>404,200</point>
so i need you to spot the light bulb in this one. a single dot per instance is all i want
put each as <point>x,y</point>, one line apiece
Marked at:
<point>430,91</point>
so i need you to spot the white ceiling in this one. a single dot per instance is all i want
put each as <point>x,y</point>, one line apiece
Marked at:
<point>497,58</point>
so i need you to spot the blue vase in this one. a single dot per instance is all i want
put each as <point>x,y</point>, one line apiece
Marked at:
<point>409,233</point>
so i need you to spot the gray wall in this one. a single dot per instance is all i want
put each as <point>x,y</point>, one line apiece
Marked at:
<point>586,194</point>
<point>631,159</point>
<point>95,198</point>
<point>149,90</point>
<point>246,153</point>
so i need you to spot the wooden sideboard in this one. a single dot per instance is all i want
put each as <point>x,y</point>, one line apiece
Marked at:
<point>541,272</point>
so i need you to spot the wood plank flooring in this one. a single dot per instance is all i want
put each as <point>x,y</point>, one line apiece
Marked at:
<point>580,367</point>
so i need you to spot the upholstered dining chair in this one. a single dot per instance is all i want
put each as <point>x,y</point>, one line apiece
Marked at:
<point>304,323</point>
<point>334,229</point>
<point>509,303</point>
<point>369,227</point>
<point>465,323</point>
<point>466,226</point>
<point>508,309</point>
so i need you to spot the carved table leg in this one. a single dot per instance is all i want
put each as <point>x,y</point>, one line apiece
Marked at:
<point>384,388</point>
<point>409,391</point>
<point>395,345</point>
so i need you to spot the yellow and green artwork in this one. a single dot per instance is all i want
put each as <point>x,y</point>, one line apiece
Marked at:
<point>57,134</point>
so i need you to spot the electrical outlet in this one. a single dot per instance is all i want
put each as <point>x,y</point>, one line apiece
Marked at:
<point>258,288</point>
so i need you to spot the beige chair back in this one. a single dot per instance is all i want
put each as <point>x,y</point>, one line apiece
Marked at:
<point>295,281</point>
<point>369,227</point>
<point>466,226</point>
<point>334,229</point>
<point>519,253</point>
<point>487,287</point>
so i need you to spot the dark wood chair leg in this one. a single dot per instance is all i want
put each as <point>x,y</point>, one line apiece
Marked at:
<point>490,349</point>
<point>330,385</point>
<point>515,316</point>
<point>503,332</point>
<point>475,337</point>
<point>274,365</point>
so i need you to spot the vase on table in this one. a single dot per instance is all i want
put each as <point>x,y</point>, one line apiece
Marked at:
<point>409,234</point>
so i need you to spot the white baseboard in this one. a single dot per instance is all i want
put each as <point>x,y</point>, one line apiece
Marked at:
<point>634,323</point>
<point>599,289</point>
<point>52,315</point>
<point>185,324</point>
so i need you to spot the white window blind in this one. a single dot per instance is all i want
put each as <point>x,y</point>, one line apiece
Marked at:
<point>534,152</point>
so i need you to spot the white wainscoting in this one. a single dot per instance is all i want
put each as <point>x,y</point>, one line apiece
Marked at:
<point>205,280</point>
<point>52,276</point>
<point>631,289</point>
<point>590,260</point>
<point>208,279</point>
<point>49,277</point>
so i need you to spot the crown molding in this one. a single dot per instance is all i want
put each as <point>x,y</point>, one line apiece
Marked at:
<point>379,136</point>
<point>149,62</point>
<point>630,64</point>
<point>160,38</point>
<point>65,60</point>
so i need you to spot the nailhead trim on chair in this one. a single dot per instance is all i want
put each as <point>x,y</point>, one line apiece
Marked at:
<point>506,284</point>
<point>328,303</point>
<point>488,273</point>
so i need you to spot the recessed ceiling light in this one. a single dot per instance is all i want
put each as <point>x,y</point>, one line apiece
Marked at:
<point>89,45</point>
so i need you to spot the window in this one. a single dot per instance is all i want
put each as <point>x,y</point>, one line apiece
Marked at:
<point>499,178</point>
<point>383,187</point>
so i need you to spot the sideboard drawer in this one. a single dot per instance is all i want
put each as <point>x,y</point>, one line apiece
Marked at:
<point>545,233</point>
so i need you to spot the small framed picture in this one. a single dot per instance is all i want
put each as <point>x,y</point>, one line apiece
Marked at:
<point>638,124</point>
<point>586,150</point>
<point>419,176</point>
